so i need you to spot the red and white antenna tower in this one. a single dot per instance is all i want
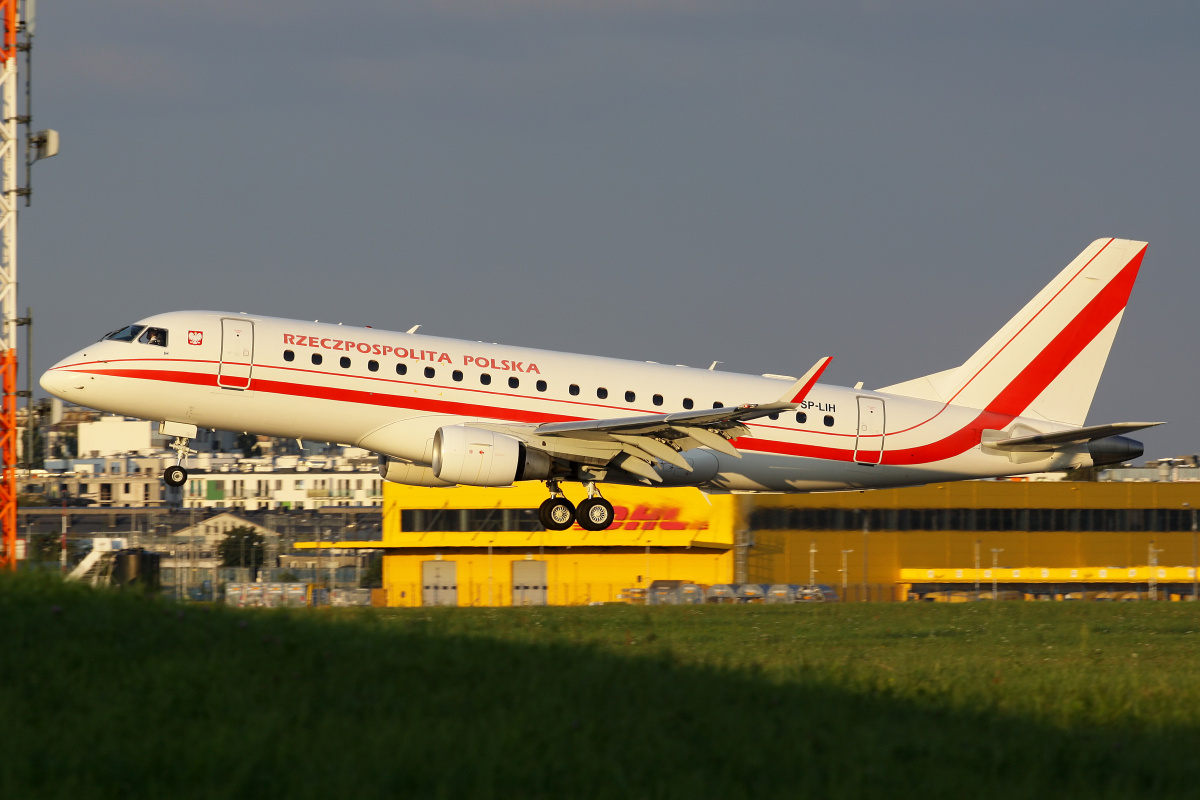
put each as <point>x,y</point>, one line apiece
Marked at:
<point>17,35</point>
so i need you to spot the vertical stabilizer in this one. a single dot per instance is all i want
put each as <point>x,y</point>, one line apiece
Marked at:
<point>1047,360</point>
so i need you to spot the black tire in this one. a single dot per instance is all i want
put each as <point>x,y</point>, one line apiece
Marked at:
<point>175,476</point>
<point>557,514</point>
<point>594,514</point>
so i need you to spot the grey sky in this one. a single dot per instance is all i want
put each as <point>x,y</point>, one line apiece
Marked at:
<point>759,183</point>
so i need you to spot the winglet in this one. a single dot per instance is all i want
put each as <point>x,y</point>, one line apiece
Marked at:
<point>801,388</point>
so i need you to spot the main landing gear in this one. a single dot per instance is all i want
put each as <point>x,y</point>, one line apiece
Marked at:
<point>557,514</point>
<point>177,475</point>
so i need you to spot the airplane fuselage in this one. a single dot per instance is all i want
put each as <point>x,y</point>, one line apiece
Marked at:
<point>390,392</point>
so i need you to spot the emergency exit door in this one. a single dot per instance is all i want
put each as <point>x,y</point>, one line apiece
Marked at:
<point>529,583</point>
<point>237,353</point>
<point>868,446</point>
<point>439,583</point>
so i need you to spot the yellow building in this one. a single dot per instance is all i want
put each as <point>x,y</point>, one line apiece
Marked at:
<point>1044,538</point>
<point>484,547</point>
<point>479,546</point>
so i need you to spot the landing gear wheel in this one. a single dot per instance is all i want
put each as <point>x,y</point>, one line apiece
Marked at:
<point>594,514</point>
<point>556,514</point>
<point>175,476</point>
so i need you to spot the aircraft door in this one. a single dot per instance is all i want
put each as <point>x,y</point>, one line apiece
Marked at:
<point>868,446</point>
<point>237,353</point>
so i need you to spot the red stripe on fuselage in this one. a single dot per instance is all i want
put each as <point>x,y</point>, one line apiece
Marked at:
<point>945,448</point>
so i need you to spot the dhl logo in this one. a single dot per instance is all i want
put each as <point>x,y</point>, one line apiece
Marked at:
<point>648,518</point>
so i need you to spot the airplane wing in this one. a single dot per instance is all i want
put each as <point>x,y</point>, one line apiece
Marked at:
<point>723,418</point>
<point>634,443</point>
<point>1046,442</point>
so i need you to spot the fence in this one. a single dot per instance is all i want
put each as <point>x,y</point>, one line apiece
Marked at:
<point>501,593</point>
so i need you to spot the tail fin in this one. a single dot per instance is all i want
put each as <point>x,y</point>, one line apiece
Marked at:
<point>1047,361</point>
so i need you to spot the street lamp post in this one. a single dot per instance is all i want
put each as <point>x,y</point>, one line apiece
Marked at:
<point>1195,577</point>
<point>845,571</point>
<point>977,543</point>
<point>812,564</point>
<point>1153,559</point>
<point>866,518</point>
<point>996,551</point>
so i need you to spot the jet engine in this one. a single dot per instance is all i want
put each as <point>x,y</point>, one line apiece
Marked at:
<point>397,470</point>
<point>479,457</point>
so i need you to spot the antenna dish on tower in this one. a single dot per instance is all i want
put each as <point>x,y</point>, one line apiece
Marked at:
<point>45,144</point>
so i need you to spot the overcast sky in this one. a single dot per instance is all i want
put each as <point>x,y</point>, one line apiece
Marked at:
<point>762,183</point>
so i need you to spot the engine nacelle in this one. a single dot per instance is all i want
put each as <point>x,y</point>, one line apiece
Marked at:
<point>397,470</point>
<point>479,457</point>
<point>1114,450</point>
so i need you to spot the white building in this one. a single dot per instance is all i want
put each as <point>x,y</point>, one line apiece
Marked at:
<point>215,480</point>
<point>303,486</point>
<point>110,436</point>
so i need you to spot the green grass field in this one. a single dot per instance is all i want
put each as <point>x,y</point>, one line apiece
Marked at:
<point>105,694</point>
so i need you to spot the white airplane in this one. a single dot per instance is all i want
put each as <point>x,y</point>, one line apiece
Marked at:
<point>441,412</point>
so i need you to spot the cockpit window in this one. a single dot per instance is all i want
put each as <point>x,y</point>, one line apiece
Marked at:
<point>156,336</point>
<point>126,334</point>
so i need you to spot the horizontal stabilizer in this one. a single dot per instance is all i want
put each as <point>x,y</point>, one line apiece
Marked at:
<point>1046,442</point>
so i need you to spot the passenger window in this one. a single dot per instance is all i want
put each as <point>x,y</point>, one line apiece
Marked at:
<point>317,359</point>
<point>541,386</point>
<point>157,336</point>
<point>126,334</point>
<point>828,420</point>
<point>430,372</point>
<point>801,417</point>
<point>602,393</point>
<point>485,379</point>
<point>718,405</point>
<point>687,403</point>
<point>573,389</point>
<point>288,355</point>
<point>345,362</point>
<point>401,369</point>
<point>657,399</point>
<point>630,397</point>
<point>772,416</point>
<point>457,374</point>
<point>373,366</point>
<point>513,383</point>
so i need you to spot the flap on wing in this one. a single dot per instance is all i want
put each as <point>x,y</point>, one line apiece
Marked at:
<point>1045,442</point>
<point>647,438</point>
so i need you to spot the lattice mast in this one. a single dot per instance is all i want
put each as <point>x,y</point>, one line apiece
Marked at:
<point>16,37</point>
<point>9,198</point>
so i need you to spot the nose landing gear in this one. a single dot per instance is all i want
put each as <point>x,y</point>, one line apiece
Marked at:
<point>177,475</point>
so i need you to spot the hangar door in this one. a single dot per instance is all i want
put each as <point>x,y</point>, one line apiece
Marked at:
<point>237,353</point>
<point>529,583</point>
<point>868,447</point>
<point>439,583</point>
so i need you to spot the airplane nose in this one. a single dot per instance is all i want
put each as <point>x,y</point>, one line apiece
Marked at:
<point>58,382</point>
